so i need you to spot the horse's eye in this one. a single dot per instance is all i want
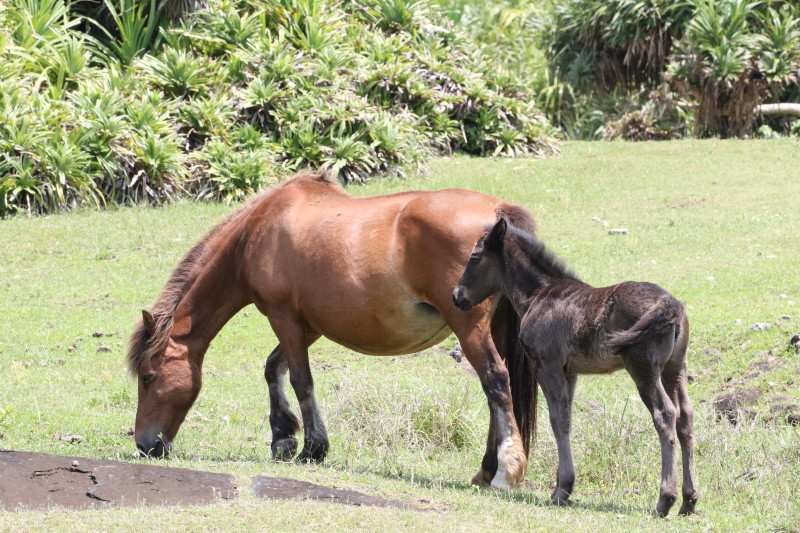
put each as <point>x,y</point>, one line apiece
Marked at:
<point>474,260</point>
<point>147,378</point>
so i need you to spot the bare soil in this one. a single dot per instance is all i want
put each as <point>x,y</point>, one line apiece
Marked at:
<point>39,481</point>
<point>279,488</point>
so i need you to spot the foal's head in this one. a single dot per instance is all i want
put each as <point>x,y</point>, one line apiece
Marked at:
<point>484,273</point>
<point>168,380</point>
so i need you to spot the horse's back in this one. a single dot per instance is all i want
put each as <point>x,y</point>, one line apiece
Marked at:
<point>371,273</point>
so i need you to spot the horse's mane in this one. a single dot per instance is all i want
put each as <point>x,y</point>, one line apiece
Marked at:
<point>545,260</point>
<point>143,344</point>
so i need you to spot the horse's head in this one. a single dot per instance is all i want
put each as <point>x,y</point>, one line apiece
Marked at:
<point>483,275</point>
<point>169,382</point>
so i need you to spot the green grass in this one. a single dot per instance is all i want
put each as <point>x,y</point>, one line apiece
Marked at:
<point>714,222</point>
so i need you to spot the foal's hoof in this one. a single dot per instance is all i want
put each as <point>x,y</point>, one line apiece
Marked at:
<point>688,505</point>
<point>284,449</point>
<point>482,479</point>
<point>559,498</point>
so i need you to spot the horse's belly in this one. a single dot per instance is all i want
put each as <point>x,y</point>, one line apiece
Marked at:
<point>396,330</point>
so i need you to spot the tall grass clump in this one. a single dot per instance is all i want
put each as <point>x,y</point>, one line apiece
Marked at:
<point>113,104</point>
<point>392,422</point>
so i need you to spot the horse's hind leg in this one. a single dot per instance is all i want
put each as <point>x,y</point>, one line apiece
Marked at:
<point>674,379</point>
<point>509,463</point>
<point>282,420</point>
<point>489,463</point>
<point>647,375</point>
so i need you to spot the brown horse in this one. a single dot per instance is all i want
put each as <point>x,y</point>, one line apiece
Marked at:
<point>570,328</point>
<point>373,274</point>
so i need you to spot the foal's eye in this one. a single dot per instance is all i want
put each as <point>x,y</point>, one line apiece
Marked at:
<point>147,378</point>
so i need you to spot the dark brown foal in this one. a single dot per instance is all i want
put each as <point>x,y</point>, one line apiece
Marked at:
<point>571,328</point>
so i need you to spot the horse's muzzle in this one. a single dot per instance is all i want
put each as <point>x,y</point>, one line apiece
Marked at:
<point>460,300</point>
<point>156,450</point>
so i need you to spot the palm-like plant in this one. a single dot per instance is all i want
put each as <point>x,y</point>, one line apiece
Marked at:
<point>735,53</point>
<point>177,72</point>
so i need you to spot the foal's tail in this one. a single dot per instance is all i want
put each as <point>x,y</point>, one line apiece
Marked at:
<point>521,373</point>
<point>666,313</point>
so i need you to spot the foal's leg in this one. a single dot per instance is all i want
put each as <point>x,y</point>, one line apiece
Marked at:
<point>674,380</point>
<point>295,338</point>
<point>559,390</point>
<point>282,420</point>
<point>651,390</point>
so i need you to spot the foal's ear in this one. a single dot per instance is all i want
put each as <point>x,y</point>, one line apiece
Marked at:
<point>498,232</point>
<point>148,321</point>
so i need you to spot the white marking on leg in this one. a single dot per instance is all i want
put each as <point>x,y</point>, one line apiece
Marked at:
<point>500,480</point>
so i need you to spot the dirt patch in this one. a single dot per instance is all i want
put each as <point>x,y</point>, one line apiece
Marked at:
<point>40,481</point>
<point>732,406</point>
<point>281,488</point>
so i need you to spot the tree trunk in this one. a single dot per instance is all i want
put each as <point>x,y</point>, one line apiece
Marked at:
<point>778,109</point>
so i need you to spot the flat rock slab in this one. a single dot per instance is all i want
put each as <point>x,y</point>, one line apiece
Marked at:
<point>281,488</point>
<point>40,480</point>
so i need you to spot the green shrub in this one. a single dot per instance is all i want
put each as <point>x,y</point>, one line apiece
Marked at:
<point>124,109</point>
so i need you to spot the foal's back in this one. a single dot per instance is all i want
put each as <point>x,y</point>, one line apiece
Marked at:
<point>576,322</point>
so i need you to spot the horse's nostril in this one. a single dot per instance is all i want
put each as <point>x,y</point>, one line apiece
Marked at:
<point>157,450</point>
<point>142,449</point>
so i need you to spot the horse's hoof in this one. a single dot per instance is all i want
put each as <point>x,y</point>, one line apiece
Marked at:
<point>482,479</point>
<point>313,452</point>
<point>284,449</point>
<point>308,458</point>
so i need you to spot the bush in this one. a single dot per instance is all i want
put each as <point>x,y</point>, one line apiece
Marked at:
<point>712,61</point>
<point>221,104</point>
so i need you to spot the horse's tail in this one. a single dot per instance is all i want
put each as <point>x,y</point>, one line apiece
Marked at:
<point>521,373</point>
<point>666,313</point>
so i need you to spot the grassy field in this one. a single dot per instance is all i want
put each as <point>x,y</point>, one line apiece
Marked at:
<point>714,222</point>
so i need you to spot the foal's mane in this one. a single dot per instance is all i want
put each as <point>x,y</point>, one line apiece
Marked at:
<point>543,258</point>
<point>143,344</point>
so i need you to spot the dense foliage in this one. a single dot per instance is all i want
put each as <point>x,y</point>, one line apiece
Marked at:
<point>110,106</point>
<point>664,67</point>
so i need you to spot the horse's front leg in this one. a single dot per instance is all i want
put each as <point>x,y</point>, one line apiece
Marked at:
<point>559,390</point>
<point>282,420</point>
<point>295,337</point>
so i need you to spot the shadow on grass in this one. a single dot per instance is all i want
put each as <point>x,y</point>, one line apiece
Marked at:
<point>525,496</point>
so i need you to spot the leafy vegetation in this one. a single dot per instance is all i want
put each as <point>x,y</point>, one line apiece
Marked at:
<point>661,68</point>
<point>115,106</point>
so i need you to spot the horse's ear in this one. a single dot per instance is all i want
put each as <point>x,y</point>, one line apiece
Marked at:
<point>149,322</point>
<point>498,232</point>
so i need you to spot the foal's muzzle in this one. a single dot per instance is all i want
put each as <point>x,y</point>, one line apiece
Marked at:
<point>156,450</point>
<point>460,300</point>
